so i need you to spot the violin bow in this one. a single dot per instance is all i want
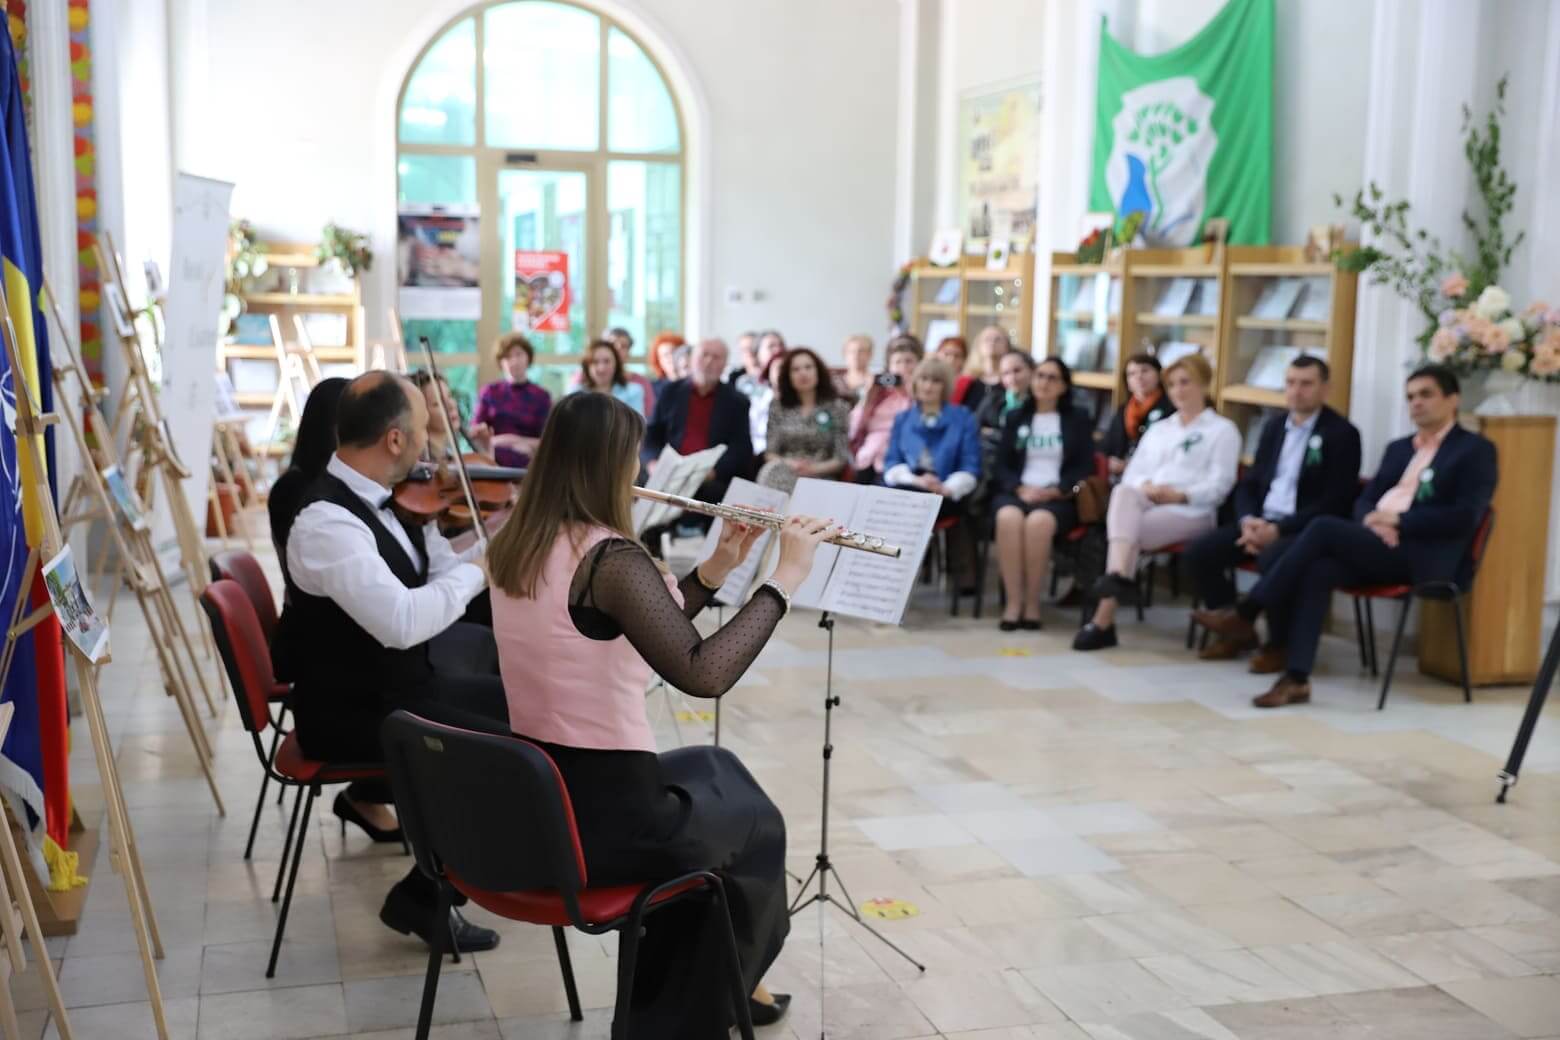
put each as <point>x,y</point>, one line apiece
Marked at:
<point>449,438</point>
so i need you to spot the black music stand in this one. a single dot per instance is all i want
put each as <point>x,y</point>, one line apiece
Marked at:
<point>1541,685</point>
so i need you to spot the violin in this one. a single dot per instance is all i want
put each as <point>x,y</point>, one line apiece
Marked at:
<point>433,492</point>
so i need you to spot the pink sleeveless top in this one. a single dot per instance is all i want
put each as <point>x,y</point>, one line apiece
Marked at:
<point>562,687</point>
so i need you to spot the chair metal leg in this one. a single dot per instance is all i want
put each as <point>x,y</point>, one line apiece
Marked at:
<point>1174,567</point>
<point>567,967</point>
<point>292,879</point>
<point>265,781</point>
<point>1397,642</point>
<point>1462,650</point>
<point>1370,637</point>
<point>292,824</point>
<point>628,958</point>
<point>1191,626</point>
<point>739,994</point>
<point>431,979</point>
<point>1359,632</point>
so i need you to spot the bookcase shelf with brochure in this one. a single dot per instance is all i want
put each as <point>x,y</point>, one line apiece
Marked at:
<point>1171,304</point>
<point>963,298</point>
<point>1086,326</point>
<point>1281,305</point>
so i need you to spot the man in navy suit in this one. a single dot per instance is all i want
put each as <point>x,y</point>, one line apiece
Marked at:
<point>700,412</point>
<point>1413,523</point>
<point>1307,466</point>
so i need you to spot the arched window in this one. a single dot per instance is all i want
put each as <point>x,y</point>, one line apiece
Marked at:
<point>537,127</point>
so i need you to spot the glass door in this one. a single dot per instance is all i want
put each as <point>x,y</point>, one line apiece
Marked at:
<point>544,268</point>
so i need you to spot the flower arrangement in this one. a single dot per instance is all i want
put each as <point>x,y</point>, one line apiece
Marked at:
<point>1482,332</point>
<point>1469,321</point>
<point>245,262</point>
<point>348,249</point>
<point>896,296</point>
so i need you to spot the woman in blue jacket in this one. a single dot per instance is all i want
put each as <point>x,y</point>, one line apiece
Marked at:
<point>935,447</point>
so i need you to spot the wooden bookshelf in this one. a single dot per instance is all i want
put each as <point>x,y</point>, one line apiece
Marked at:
<point>1085,324</point>
<point>1320,320</point>
<point>972,297</point>
<point>1152,319</point>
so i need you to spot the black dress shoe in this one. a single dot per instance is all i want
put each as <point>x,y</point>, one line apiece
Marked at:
<point>1007,626</point>
<point>347,813</point>
<point>411,918</point>
<point>1117,587</point>
<point>1093,637</point>
<point>769,1014</point>
<point>1030,624</point>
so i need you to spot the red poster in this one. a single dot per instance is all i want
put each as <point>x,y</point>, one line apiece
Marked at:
<point>541,291</point>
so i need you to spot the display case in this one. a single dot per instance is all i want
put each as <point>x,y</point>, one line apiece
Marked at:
<point>963,298</point>
<point>1171,301</point>
<point>1085,327</point>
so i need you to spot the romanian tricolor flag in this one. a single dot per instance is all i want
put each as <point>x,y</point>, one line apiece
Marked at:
<point>33,759</point>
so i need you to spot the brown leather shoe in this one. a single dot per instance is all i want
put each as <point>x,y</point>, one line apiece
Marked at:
<point>1285,691</point>
<point>1227,623</point>
<point>1268,661</point>
<point>1223,649</point>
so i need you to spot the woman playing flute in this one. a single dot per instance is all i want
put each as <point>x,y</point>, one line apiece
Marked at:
<point>582,616</point>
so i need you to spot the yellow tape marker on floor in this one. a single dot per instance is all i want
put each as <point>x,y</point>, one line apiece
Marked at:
<point>1015,651</point>
<point>890,909</point>
<point>695,716</point>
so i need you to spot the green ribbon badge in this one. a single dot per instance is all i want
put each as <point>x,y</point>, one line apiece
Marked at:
<point>1426,485</point>
<point>823,419</point>
<point>1313,450</point>
<point>1156,415</point>
<point>1023,434</point>
<point>1186,445</point>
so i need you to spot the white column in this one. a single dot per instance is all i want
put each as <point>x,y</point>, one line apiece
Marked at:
<point>189,69</point>
<point>921,80</point>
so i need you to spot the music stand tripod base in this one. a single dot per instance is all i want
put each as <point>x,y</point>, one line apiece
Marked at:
<point>1541,684</point>
<point>823,867</point>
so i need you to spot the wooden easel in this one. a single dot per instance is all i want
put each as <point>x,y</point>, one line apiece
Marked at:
<point>138,557</point>
<point>157,453</point>
<point>229,460</point>
<point>30,425</point>
<point>13,889</point>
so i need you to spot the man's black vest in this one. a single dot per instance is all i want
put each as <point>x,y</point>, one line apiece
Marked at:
<point>330,657</point>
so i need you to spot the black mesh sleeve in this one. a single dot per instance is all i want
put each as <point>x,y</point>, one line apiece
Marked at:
<point>628,587</point>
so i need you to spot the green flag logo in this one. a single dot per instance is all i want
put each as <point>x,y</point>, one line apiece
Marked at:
<point>1164,143</point>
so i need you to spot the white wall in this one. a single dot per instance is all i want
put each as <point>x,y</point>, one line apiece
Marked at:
<point>801,105</point>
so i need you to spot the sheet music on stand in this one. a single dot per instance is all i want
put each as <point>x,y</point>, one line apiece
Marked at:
<point>741,581</point>
<point>676,475</point>
<point>860,584</point>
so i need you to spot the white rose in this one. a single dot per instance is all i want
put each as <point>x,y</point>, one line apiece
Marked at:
<point>1512,327</point>
<point>1513,360</point>
<point>1493,303</point>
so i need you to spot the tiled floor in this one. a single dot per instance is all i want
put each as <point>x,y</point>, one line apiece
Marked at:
<point>1113,846</point>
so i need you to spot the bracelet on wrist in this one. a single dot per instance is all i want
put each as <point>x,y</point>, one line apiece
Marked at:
<point>779,590</point>
<point>698,575</point>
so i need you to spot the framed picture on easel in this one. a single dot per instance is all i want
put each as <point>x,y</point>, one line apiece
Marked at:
<point>119,309</point>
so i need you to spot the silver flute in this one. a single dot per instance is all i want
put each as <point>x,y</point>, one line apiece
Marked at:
<point>762,518</point>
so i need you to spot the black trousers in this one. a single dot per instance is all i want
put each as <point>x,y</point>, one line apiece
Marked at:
<point>1212,559</point>
<point>1331,552</point>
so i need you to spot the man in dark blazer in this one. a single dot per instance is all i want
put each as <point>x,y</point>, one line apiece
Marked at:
<point>700,412</point>
<point>1412,524</point>
<point>1307,465</point>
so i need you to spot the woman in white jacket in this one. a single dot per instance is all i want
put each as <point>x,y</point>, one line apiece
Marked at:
<point>1183,469</point>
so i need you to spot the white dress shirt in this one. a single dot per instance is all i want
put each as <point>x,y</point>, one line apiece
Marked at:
<point>333,554</point>
<point>1198,459</point>
<point>1282,492</point>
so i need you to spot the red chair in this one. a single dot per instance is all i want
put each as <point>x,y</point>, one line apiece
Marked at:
<point>489,817</point>
<point>1405,594</point>
<point>241,641</point>
<point>240,566</point>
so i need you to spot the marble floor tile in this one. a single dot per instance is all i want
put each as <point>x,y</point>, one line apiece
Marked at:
<point>1418,1014</point>
<point>120,1021</point>
<point>1263,922</point>
<point>1197,878</point>
<point>120,978</point>
<point>986,1001</point>
<point>283,1014</point>
<point>1054,854</point>
<point>1339,966</point>
<point>1535,944</point>
<point>380,1004</point>
<point>1306,1019</point>
<point>915,832</point>
<point>1050,1031</point>
<point>1527,1007</point>
<point>1224,977</point>
<point>1154,933</point>
<point>1009,825</point>
<point>1450,956</point>
<point>1009,899</point>
<point>1102,992</point>
<point>1186,1024</point>
<point>1102,818</point>
<point>1371,910</point>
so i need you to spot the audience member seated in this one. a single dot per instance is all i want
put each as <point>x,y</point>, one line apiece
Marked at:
<point>748,371</point>
<point>623,343</point>
<point>1145,406</point>
<point>442,409</point>
<point>935,447</point>
<point>700,412</point>
<point>682,361</point>
<point>1170,492</point>
<point>852,383</point>
<point>808,424</point>
<point>663,363</point>
<point>1046,447</point>
<point>1013,369</point>
<point>601,370</point>
<point>983,377</point>
<point>955,353</point>
<point>1412,524</point>
<point>514,409</point>
<point>872,420</point>
<point>371,623</point>
<point>759,403</point>
<point>1307,465</point>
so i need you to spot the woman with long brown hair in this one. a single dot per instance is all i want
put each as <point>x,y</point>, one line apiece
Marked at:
<point>582,616</point>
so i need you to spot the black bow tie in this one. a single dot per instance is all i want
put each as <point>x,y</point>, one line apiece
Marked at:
<point>384,503</point>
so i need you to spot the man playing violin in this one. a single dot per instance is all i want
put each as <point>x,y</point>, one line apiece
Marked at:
<point>372,619</point>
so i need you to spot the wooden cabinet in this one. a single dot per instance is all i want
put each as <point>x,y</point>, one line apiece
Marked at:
<point>1085,325</point>
<point>1506,609</point>
<point>963,298</point>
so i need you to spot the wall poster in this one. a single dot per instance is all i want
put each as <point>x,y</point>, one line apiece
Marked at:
<point>999,163</point>
<point>439,262</point>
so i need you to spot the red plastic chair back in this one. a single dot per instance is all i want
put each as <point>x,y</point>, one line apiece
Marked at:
<point>245,654</point>
<point>242,567</point>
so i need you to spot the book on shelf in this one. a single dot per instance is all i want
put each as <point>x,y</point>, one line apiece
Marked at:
<point>1315,301</point>
<point>1175,297</point>
<point>1083,299</point>
<point>1267,368</point>
<point>1113,298</point>
<point>947,293</point>
<point>1205,302</point>
<point>1081,349</point>
<point>1173,350</point>
<point>1277,299</point>
<point>939,329</point>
